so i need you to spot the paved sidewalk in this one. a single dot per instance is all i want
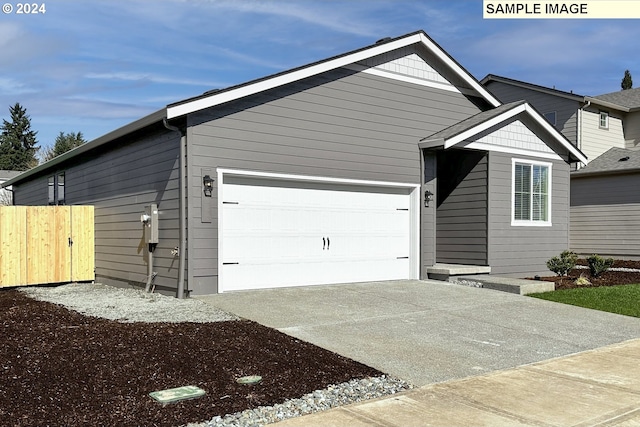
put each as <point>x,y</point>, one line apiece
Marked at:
<point>599,387</point>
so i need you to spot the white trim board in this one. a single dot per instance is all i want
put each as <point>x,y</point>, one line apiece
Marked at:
<point>218,98</point>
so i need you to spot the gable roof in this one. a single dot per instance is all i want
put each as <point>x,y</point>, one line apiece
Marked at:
<point>213,98</point>
<point>217,97</point>
<point>526,85</point>
<point>629,99</point>
<point>624,100</point>
<point>474,125</point>
<point>613,161</point>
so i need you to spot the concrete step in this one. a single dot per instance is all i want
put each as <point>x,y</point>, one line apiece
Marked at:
<point>441,271</point>
<point>507,284</point>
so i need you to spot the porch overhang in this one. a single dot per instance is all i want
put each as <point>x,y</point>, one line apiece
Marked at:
<point>460,134</point>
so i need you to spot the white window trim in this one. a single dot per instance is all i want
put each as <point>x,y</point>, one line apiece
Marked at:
<point>606,113</point>
<point>530,223</point>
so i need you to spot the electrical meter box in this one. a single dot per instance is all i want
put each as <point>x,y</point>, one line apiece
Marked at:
<point>151,213</point>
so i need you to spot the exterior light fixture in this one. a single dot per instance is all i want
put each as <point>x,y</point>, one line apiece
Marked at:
<point>428,196</point>
<point>207,184</point>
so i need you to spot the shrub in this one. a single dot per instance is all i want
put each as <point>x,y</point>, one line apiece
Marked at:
<point>598,265</point>
<point>582,281</point>
<point>563,264</point>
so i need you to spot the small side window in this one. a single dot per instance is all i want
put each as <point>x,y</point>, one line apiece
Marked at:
<point>52,190</point>
<point>604,120</point>
<point>551,117</point>
<point>60,188</point>
<point>56,193</point>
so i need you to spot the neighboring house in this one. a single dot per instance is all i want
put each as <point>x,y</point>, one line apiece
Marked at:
<point>605,205</point>
<point>371,165</point>
<point>6,196</point>
<point>592,123</point>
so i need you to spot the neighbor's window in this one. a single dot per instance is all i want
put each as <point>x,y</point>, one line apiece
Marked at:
<point>60,195</point>
<point>52,191</point>
<point>531,193</point>
<point>56,189</point>
<point>604,120</point>
<point>551,116</point>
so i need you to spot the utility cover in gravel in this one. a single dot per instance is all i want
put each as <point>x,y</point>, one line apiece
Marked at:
<point>61,368</point>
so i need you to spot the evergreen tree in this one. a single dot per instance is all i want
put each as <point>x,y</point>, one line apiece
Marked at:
<point>18,143</point>
<point>64,142</point>
<point>627,82</point>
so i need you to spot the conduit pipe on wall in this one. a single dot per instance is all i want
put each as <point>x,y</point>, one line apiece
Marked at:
<point>182,215</point>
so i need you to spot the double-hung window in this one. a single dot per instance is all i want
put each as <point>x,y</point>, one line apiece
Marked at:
<point>531,193</point>
<point>604,120</point>
<point>56,189</point>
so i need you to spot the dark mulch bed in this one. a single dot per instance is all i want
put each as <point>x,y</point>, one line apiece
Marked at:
<point>608,278</point>
<point>61,368</point>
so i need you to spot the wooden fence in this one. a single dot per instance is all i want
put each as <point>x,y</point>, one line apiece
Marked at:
<point>46,244</point>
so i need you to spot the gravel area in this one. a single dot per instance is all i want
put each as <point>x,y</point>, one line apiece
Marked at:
<point>131,305</point>
<point>128,305</point>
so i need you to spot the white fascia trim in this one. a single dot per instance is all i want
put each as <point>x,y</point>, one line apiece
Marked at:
<point>469,133</point>
<point>404,78</point>
<point>507,115</point>
<point>459,70</point>
<point>553,131</point>
<point>216,99</point>
<point>511,150</point>
<point>270,83</point>
<point>292,177</point>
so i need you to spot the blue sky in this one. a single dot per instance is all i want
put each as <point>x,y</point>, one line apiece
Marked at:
<point>93,66</point>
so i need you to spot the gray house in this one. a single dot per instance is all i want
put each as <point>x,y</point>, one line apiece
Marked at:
<point>372,165</point>
<point>605,205</point>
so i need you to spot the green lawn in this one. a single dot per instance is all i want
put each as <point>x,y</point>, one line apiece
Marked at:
<point>623,299</point>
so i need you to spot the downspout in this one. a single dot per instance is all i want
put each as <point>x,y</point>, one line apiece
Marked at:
<point>182,215</point>
<point>580,114</point>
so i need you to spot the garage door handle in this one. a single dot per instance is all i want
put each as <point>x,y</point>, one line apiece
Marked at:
<point>325,243</point>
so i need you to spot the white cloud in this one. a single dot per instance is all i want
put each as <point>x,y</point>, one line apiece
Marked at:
<point>151,78</point>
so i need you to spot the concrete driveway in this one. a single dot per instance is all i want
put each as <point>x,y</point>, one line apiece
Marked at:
<point>429,331</point>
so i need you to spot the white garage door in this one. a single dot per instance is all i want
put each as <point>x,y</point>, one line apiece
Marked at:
<point>287,233</point>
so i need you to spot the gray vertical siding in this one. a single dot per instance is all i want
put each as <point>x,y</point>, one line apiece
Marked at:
<point>120,180</point>
<point>461,230</point>
<point>605,215</point>
<point>340,124</point>
<point>566,109</point>
<point>523,251</point>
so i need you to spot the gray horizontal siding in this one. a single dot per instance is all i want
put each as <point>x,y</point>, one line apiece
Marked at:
<point>32,193</point>
<point>340,124</point>
<point>605,216</point>
<point>428,217</point>
<point>120,181</point>
<point>566,109</point>
<point>461,225</point>
<point>522,251</point>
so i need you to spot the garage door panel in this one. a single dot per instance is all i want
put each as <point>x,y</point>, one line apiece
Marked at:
<point>286,234</point>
